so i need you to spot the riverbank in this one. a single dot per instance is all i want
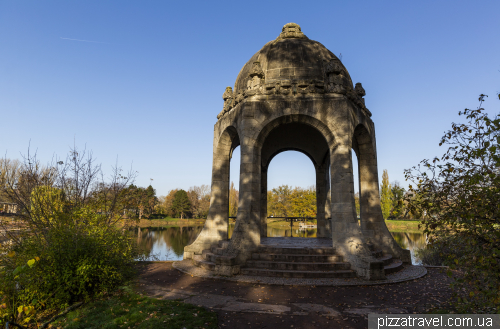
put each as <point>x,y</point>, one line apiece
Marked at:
<point>408,226</point>
<point>167,222</point>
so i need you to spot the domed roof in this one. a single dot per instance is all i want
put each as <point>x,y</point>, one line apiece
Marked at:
<point>291,57</point>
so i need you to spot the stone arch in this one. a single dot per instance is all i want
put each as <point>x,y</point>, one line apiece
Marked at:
<point>306,135</point>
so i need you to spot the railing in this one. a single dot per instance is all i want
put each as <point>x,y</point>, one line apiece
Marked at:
<point>290,219</point>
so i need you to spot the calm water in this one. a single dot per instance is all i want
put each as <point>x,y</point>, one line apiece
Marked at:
<point>168,243</point>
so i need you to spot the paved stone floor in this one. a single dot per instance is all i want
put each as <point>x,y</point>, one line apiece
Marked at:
<point>260,305</point>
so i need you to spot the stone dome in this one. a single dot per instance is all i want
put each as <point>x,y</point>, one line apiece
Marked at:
<point>291,58</point>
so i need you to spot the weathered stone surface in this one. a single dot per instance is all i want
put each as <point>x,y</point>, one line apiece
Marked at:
<point>294,94</point>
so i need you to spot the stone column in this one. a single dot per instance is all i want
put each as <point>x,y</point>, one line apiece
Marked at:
<point>346,234</point>
<point>247,230</point>
<point>372,221</point>
<point>322,191</point>
<point>263,202</point>
<point>215,228</point>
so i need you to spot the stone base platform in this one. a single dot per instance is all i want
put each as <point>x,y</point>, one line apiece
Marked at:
<point>409,272</point>
<point>293,242</point>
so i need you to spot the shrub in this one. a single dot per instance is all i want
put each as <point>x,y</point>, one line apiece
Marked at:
<point>72,250</point>
<point>460,193</point>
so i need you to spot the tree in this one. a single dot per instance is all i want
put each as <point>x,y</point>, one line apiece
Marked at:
<point>460,193</point>
<point>280,205</point>
<point>71,249</point>
<point>181,205</point>
<point>356,203</point>
<point>303,202</point>
<point>199,197</point>
<point>397,206</point>
<point>233,201</point>
<point>385,195</point>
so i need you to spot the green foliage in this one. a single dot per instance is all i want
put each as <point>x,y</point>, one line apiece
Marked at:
<point>139,201</point>
<point>71,249</point>
<point>357,204</point>
<point>233,200</point>
<point>460,194</point>
<point>181,204</point>
<point>76,261</point>
<point>129,310</point>
<point>397,204</point>
<point>386,195</point>
<point>284,201</point>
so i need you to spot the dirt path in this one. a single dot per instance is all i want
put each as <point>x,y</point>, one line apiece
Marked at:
<point>246,305</point>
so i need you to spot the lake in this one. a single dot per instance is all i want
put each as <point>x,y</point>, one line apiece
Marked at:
<point>167,243</point>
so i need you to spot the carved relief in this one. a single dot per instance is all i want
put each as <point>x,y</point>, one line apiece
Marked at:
<point>359,90</point>
<point>336,80</point>
<point>285,87</point>
<point>228,102</point>
<point>255,83</point>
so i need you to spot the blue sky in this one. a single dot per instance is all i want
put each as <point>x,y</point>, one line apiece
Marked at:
<point>144,84</point>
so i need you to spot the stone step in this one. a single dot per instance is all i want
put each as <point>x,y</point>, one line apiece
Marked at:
<point>298,266</point>
<point>208,256</point>
<point>395,266</point>
<point>297,258</point>
<point>296,251</point>
<point>199,261</point>
<point>217,250</point>
<point>224,243</point>
<point>298,274</point>
<point>387,259</point>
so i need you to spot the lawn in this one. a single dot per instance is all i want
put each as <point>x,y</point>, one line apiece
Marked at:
<point>129,310</point>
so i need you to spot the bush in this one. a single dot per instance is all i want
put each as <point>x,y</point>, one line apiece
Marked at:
<point>459,193</point>
<point>72,250</point>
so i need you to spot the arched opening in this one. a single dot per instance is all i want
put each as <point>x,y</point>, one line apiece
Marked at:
<point>355,174</point>
<point>293,134</point>
<point>291,193</point>
<point>233,188</point>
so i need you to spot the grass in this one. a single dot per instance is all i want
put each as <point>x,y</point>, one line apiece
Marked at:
<point>130,310</point>
<point>403,225</point>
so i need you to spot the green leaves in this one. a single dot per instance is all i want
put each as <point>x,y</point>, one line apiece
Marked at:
<point>461,198</point>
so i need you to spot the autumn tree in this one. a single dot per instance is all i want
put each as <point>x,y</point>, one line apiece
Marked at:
<point>280,205</point>
<point>460,193</point>
<point>233,200</point>
<point>357,204</point>
<point>181,206</point>
<point>199,197</point>
<point>303,202</point>
<point>284,201</point>
<point>385,195</point>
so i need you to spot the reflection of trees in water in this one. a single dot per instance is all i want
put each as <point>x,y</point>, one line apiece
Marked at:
<point>175,238</point>
<point>410,240</point>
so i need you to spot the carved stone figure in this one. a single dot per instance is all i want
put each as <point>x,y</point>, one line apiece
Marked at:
<point>359,90</point>
<point>256,80</point>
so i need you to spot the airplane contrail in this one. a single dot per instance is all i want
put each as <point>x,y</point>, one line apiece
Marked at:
<point>82,40</point>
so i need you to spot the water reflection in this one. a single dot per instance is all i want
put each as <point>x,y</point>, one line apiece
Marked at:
<point>167,243</point>
<point>411,241</point>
